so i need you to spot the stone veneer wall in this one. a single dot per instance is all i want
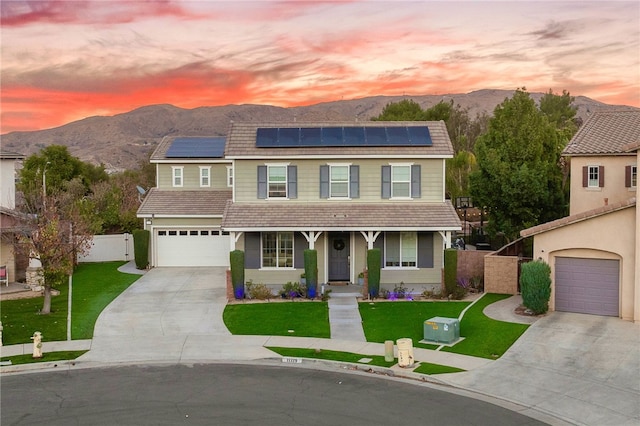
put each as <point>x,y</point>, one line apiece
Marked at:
<point>501,274</point>
<point>471,263</point>
<point>34,278</point>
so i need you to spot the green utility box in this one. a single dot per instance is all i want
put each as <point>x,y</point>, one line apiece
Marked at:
<point>442,330</point>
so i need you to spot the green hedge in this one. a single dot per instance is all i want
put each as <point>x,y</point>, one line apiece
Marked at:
<point>450,271</point>
<point>311,272</point>
<point>374,262</point>
<point>141,239</point>
<point>236,260</point>
<point>535,285</point>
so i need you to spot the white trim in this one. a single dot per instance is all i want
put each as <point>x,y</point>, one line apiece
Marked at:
<point>348,181</point>
<point>230,177</point>
<point>180,216</point>
<point>188,161</point>
<point>339,157</point>
<point>173,176</point>
<point>350,229</point>
<point>286,180</point>
<point>208,169</point>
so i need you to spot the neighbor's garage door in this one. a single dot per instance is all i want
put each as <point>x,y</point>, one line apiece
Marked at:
<point>191,247</point>
<point>588,286</point>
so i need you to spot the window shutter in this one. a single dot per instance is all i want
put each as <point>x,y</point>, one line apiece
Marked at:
<point>262,182</point>
<point>300,244</point>
<point>354,181</point>
<point>324,181</point>
<point>292,182</point>
<point>252,250</point>
<point>425,250</point>
<point>416,191</point>
<point>627,176</point>
<point>601,176</point>
<point>585,176</point>
<point>386,181</point>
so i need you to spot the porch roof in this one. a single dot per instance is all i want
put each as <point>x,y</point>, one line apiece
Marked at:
<point>329,216</point>
<point>172,203</point>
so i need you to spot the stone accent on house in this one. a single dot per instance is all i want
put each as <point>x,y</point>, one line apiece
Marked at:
<point>471,263</point>
<point>34,278</point>
<point>501,274</point>
<point>230,295</point>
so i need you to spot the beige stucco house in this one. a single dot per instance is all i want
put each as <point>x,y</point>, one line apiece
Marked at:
<point>594,253</point>
<point>10,219</point>
<point>280,188</point>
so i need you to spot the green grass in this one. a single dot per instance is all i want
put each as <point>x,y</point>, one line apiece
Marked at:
<point>46,357</point>
<point>306,319</point>
<point>95,285</point>
<point>376,360</point>
<point>428,368</point>
<point>395,320</point>
<point>486,337</point>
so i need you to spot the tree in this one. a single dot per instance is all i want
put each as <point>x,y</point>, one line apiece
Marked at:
<point>518,179</point>
<point>55,237</point>
<point>405,110</point>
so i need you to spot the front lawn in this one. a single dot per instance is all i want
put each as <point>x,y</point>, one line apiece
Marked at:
<point>95,285</point>
<point>300,319</point>
<point>396,320</point>
<point>46,357</point>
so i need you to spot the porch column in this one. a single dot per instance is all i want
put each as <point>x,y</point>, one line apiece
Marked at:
<point>312,237</point>
<point>370,237</point>
<point>233,239</point>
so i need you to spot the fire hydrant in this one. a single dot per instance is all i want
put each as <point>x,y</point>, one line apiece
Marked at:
<point>37,344</point>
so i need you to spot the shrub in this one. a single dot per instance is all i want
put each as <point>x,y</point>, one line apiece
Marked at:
<point>258,291</point>
<point>236,260</point>
<point>535,285</point>
<point>374,260</point>
<point>311,272</point>
<point>141,247</point>
<point>450,271</point>
<point>477,282</point>
<point>291,290</point>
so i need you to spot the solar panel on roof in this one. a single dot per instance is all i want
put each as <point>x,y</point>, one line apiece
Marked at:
<point>196,148</point>
<point>292,137</point>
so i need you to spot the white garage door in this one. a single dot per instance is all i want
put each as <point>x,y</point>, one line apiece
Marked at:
<point>588,286</point>
<point>191,247</point>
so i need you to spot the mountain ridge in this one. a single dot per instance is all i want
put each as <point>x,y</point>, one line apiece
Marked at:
<point>124,140</point>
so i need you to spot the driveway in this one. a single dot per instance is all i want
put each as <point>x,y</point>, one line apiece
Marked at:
<point>169,314</point>
<point>581,368</point>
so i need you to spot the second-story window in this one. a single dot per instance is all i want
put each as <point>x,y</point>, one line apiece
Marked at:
<point>205,176</point>
<point>230,176</point>
<point>178,176</point>
<point>401,181</point>
<point>593,176</point>
<point>631,176</point>
<point>339,181</point>
<point>277,181</point>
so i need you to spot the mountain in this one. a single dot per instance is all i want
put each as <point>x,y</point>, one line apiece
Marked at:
<point>124,140</point>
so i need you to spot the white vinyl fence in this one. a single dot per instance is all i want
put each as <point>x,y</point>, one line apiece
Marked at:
<point>108,248</point>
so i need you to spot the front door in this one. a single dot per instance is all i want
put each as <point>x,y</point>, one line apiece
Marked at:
<point>339,256</point>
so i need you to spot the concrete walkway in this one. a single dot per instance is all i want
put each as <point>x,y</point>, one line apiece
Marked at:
<point>344,317</point>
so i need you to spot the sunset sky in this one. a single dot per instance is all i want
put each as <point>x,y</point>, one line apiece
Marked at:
<point>64,61</point>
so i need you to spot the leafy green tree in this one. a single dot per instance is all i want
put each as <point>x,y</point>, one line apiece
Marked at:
<point>405,110</point>
<point>518,179</point>
<point>457,176</point>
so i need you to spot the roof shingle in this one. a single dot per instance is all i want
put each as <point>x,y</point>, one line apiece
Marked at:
<point>606,132</point>
<point>184,203</point>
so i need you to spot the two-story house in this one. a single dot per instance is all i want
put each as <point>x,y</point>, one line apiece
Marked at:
<point>10,220</point>
<point>594,253</point>
<point>338,188</point>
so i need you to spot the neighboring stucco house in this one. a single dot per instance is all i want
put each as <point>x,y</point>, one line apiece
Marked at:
<point>594,253</point>
<point>339,188</point>
<point>10,219</point>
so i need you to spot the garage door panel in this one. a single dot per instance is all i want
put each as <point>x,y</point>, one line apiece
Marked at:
<point>175,247</point>
<point>589,286</point>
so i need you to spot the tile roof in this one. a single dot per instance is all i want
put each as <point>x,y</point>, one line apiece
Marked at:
<point>605,132</point>
<point>184,203</point>
<point>9,155</point>
<point>241,141</point>
<point>578,217</point>
<point>341,216</point>
<point>160,153</point>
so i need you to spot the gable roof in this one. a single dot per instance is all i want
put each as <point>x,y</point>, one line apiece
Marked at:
<point>209,203</point>
<point>605,132</point>
<point>241,142</point>
<point>578,217</point>
<point>408,216</point>
<point>175,148</point>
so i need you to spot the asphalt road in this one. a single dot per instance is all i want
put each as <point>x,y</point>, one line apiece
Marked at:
<point>220,394</point>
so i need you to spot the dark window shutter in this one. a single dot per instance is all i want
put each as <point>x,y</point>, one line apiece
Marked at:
<point>300,244</point>
<point>324,181</point>
<point>601,176</point>
<point>386,181</point>
<point>416,191</point>
<point>262,182</point>
<point>292,182</point>
<point>425,250</point>
<point>252,250</point>
<point>627,176</point>
<point>354,181</point>
<point>585,176</point>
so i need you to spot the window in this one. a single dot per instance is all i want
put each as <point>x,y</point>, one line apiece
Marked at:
<point>277,249</point>
<point>401,250</point>
<point>593,176</point>
<point>177,176</point>
<point>205,176</point>
<point>401,181</point>
<point>229,176</point>
<point>339,183</point>
<point>631,176</point>
<point>277,181</point>
<point>634,176</point>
